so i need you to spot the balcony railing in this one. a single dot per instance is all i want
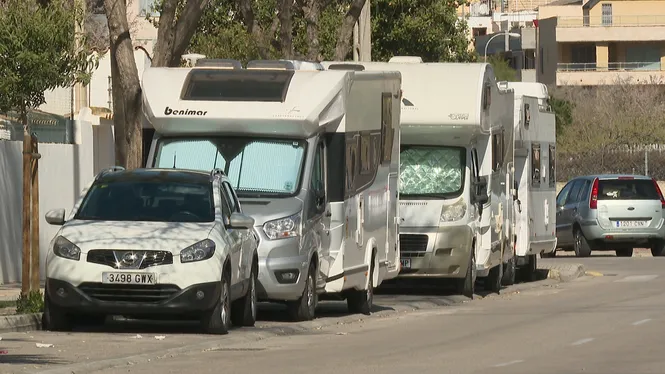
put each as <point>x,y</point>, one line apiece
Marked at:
<point>612,66</point>
<point>612,21</point>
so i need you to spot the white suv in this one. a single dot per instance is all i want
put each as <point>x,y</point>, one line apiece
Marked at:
<point>153,243</point>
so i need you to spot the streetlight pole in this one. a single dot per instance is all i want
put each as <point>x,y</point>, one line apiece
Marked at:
<point>506,34</point>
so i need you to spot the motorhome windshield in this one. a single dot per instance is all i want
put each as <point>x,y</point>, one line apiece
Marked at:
<point>256,166</point>
<point>431,171</point>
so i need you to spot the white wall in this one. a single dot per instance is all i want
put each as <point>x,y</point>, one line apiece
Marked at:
<point>64,170</point>
<point>99,83</point>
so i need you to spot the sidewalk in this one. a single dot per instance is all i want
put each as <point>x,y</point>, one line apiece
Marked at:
<point>10,292</point>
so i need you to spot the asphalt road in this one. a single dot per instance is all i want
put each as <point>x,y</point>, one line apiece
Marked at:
<point>597,324</point>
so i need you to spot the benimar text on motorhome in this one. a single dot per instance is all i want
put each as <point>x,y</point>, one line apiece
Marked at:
<point>533,229</point>
<point>313,156</point>
<point>454,123</point>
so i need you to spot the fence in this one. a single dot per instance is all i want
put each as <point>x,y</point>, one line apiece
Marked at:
<point>649,162</point>
<point>64,170</point>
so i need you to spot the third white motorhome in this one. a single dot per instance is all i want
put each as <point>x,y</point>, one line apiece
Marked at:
<point>453,193</point>
<point>533,228</point>
<point>313,156</point>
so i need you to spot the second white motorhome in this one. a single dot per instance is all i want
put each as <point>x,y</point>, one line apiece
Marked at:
<point>533,226</point>
<point>313,156</point>
<point>453,195</point>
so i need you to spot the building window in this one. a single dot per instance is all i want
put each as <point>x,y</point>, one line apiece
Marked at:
<point>147,7</point>
<point>607,14</point>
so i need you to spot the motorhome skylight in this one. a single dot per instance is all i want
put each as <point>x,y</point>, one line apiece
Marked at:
<point>235,85</point>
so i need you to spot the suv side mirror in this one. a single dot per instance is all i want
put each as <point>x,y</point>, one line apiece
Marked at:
<point>240,221</point>
<point>55,217</point>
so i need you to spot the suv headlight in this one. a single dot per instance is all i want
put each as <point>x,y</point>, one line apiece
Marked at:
<point>286,227</point>
<point>200,251</point>
<point>66,249</point>
<point>453,212</point>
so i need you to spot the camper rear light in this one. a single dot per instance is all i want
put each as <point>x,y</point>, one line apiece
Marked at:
<point>593,201</point>
<point>454,212</point>
<point>287,227</point>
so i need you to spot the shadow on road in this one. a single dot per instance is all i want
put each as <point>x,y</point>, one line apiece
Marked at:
<point>28,359</point>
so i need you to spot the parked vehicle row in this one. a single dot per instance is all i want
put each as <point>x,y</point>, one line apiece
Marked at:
<point>289,181</point>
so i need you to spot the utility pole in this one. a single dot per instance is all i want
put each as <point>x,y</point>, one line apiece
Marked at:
<point>80,91</point>
<point>362,35</point>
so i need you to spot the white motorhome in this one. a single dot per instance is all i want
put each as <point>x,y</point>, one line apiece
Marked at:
<point>313,156</point>
<point>533,221</point>
<point>453,194</point>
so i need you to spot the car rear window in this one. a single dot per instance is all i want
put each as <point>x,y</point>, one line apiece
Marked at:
<point>627,189</point>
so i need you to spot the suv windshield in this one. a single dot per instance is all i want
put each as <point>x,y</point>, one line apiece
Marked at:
<point>431,171</point>
<point>627,189</point>
<point>156,201</point>
<point>256,167</point>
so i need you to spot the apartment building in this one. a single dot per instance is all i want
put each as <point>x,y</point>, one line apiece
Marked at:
<point>597,42</point>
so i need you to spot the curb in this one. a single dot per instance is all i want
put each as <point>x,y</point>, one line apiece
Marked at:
<point>21,322</point>
<point>566,275</point>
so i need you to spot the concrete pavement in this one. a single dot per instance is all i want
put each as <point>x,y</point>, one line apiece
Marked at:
<point>609,324</point>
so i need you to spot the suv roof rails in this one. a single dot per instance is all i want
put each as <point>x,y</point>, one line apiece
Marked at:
<point>354,67</point>
<point>215,172</point>
<point>270,65</point>
<point>109,170</point>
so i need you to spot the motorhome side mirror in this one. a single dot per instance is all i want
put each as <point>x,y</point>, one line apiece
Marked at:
<point>240,221</point>
<point>55,217</point>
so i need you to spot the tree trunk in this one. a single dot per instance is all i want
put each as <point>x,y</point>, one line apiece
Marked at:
<point>344,36</point>
<point>26,253</point>
<point>126,88</point>
<point>173,36</point>
<point>286,28</point>
<point>312,12</point>
<point>253,27</point>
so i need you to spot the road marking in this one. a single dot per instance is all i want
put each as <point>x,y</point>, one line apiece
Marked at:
<point>641,322</point>
<point>593,274</point>
<point>583,341</point>
<point>638,278</point>
<point>508,363</point>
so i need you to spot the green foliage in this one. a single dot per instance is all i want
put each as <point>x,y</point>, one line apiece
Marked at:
<point>426,28</point>
<point>38,52</point>
<point>563,111</point>
<point>502,69</point>
<point>31,303</point>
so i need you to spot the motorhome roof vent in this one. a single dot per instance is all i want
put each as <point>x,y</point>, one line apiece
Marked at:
<point>224,63</point>
<point>355,67</point>
<point>270,65</point>
<point>406,59</point>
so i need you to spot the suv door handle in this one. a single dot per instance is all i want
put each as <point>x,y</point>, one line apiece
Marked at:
<point>328,214</point>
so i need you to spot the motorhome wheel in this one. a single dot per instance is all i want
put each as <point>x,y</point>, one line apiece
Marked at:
<point>360,301</point>
<point>509,269</point>
<point>304,308</point>
<point>493,279</point>
<point>466,285</point>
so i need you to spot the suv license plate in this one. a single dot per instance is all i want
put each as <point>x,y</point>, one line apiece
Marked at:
<point>129,278</point>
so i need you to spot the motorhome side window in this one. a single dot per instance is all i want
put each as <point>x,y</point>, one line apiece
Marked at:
<point>351,160</point>
<point>387,131</point>
<point>535,165</point>
<point>365,155</point>
<point>552,174</point>
<point>497,151</point>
